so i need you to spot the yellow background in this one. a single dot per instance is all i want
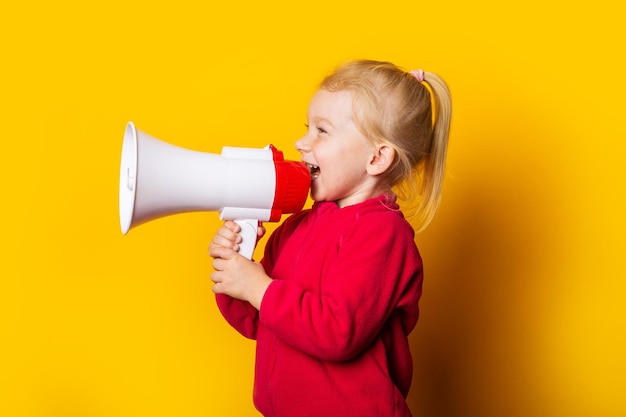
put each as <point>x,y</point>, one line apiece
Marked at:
<point>523,311</point>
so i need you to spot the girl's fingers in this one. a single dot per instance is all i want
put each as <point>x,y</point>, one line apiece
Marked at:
<point>221,252</point>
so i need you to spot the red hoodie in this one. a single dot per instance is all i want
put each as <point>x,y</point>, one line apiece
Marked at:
<point>332,328</point>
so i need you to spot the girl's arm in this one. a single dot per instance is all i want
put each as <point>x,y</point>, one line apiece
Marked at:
<point>376,273</point>
<point>234,306</point>
<point>239,314</point>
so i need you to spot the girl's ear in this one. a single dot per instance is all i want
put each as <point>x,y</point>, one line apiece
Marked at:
<point>381,159</point>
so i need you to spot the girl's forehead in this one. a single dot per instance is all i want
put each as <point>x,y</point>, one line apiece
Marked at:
<point>326,103</point>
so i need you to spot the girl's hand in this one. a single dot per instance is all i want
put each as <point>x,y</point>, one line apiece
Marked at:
<point>228,236</point>
<point>235,275</point>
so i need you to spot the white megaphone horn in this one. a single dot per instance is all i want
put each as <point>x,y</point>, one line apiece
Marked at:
<point>247,185</point>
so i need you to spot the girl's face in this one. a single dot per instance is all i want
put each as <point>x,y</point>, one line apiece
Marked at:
<point>336,153</point>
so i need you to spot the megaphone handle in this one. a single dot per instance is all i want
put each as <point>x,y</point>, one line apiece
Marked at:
<point>248,235</point>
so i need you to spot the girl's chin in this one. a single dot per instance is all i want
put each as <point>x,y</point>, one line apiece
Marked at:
<point>315,194</point>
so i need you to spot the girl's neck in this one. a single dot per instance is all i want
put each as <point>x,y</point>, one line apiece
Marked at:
<point>363,196</point>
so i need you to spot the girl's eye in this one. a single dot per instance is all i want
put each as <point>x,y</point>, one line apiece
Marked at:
<point>320,130</point>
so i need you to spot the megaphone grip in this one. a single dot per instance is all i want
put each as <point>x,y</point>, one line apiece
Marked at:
<point>248,235</point>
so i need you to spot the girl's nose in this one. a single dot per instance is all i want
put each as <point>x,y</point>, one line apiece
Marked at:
<point>302,144</point>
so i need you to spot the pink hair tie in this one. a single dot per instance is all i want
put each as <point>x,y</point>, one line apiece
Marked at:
<point>419,74</point>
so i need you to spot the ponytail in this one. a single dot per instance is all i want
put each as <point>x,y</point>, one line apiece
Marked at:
<point>433,164</point>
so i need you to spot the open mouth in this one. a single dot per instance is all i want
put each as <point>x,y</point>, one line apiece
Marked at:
<point>314,170</point>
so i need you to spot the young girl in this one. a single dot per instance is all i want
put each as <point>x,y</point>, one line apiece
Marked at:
<point>336,294</point>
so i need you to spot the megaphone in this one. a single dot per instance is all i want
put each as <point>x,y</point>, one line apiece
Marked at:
<point>247,185</point>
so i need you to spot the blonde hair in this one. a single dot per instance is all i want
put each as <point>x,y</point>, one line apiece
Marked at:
<point>394,107</point>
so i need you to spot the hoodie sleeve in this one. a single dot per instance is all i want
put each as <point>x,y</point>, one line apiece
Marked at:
<point>376,271</point>
<point>241,315</point>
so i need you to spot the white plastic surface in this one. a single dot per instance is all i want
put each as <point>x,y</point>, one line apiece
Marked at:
<point>128,177</point>
<point>248,235</point>
<point>158,179</point>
